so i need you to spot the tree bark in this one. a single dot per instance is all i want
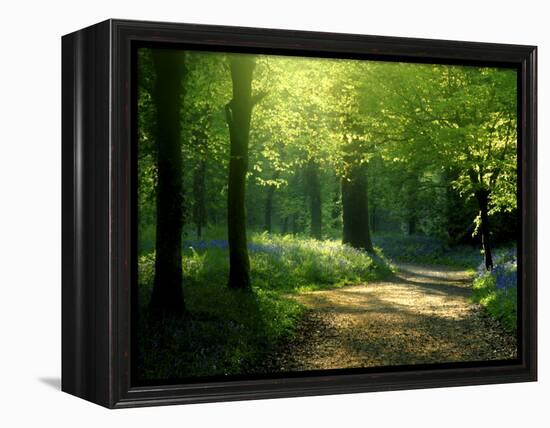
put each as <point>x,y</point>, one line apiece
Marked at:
<point>314,193</point>
<point>355,209</point>
<point>482,197</point>
<point>167,296</point>
<point>238,113</point>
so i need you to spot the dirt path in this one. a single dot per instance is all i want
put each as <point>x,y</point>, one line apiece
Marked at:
<point>422,314</point>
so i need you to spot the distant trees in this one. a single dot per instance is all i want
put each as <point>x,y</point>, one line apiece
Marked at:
<point>459,123</point>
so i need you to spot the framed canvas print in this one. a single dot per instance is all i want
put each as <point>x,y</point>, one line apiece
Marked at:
<point>252,213</point>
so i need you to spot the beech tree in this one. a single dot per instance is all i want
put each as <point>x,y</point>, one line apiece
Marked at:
<point>238,115</point>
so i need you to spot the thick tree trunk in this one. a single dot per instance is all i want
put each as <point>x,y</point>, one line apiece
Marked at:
<point>314,194</point>
<point>482,197</point>
<point>238,113</point>
<point>167,296</point>
<point>199,193</point>
<point>355,208</point>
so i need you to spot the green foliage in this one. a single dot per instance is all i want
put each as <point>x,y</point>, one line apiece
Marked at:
<point>429,133</point>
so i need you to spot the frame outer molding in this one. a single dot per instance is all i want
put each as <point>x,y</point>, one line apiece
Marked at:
<point>86,317</point>
<point>97,217</point>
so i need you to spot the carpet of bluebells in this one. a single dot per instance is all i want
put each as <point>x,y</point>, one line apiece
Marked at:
<point>229,332</point>
<point>496,290</point>
<point>426,249</point>
<point>279,263</point>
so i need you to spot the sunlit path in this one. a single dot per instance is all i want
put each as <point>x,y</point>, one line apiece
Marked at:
<point>422,314</point>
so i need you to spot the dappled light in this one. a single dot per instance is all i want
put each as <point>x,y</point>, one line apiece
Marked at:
<point>296,214</point>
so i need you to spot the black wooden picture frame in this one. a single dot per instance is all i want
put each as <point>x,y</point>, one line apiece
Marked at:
<point>98,216</point>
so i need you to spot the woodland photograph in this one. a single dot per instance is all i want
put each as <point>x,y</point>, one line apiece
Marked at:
<point>302,214</point>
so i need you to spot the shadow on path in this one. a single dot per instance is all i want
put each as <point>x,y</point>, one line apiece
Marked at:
<point>419,315</point>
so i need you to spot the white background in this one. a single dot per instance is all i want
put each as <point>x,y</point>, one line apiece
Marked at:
<point>30,212</point>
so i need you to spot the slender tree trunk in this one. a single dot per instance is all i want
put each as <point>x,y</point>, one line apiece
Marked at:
<point>412,224</point>
<point>199,193</point>
<point>238,113</point>
<point>167,296</point>
<point>268,209</point>
<point>336,212</point>
<point>268,214</point>
<point>294,225</point>
<point>373,218</point>
<point>355,209</point>
<point>314,193</point>
<point>285,225</point>
<point>482,197</point>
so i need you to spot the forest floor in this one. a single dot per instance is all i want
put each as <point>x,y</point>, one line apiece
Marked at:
<point>420,314</point>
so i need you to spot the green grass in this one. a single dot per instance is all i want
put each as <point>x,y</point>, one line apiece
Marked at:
<point>227,332</point>
<point>501,306</point>
<point>224,332</point>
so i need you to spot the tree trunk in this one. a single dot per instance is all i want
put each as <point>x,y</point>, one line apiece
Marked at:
<point>199,190</point>
<point>482,197</point>
<point>269,204</point>
<point>167,296</point>
<point>355,208</point>
<point>373,218</point>
<point>314,193</point>
<point>268,208</point>
<point>412,224</point>
<point>285,225</point>
<point>336,212</point>
<point>294,224</point>
<point>238,113</point>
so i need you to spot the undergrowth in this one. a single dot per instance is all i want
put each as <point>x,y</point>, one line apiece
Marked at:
<point>496,290</point>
